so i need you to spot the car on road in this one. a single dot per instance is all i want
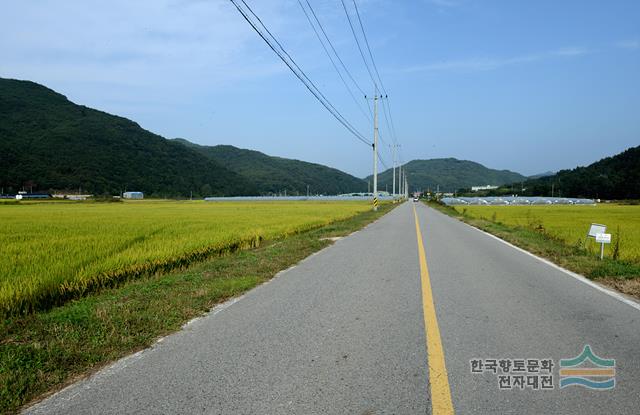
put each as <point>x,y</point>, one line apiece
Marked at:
<point>415,199</point>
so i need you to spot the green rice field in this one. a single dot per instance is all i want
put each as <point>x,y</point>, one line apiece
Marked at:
<point>50,252</point>
<point>571,223</point>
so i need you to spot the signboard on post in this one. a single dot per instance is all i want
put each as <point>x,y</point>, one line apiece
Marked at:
<point>596,229</point>
<point>603,238</point>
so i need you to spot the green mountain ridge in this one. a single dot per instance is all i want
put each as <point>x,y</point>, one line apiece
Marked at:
<point>50,143</point>
<point>273,174</point>
<point>539,175</point>
<point>449,174</point>
<point>615,177</point>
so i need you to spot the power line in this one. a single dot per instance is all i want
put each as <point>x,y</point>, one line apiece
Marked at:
<point>346,12</point>
<point>393,126</point>
<point>299,73</point>
<point>368,48</point>
<point>386,119</point>
<point>375,67</point>
<point>382,160</point>
<point>334,50</point>
<point>358,104</point>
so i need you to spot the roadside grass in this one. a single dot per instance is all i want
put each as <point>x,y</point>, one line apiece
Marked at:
<point>571,222</point>
<point>623,275</point>
<point>46,350</point>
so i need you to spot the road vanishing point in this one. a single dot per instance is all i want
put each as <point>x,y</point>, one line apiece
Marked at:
<point>411,315</point>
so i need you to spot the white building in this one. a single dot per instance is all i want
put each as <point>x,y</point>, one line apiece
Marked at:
<point>486,187</point>
<point>133,195</point>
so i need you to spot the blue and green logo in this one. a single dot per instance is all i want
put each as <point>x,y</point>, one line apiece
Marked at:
<point>588,370</point>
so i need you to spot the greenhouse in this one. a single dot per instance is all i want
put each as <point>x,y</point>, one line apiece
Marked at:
<point>516,200</point>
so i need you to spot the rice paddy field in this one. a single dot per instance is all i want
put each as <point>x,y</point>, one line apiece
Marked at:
<point>50,252</point>
<point>571,223</point>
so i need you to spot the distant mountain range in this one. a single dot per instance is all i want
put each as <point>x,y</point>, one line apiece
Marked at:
<point>616,177</point>
<point>448,174</point>
<point>276,175</point>
<point>49,143</point>
<point>539,175</point>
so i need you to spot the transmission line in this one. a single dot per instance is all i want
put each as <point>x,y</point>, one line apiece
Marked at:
<point>375,67</point>
<point>366,41</point>
<point>355,36</point>
<point>297,71</point>
<point>334,50</point>
<point>358,104</point>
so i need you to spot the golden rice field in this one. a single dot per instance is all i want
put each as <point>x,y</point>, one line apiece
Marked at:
<point>53,251</point>
<point>571,223</point>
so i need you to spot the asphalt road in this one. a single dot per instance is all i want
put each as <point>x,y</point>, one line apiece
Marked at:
<point>343,332</point>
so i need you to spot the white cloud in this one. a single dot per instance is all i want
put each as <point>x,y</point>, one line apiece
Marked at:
<point>477,64</point>
<point>630,44</point>
<point>141,43</point>
<point>572,51</point>
<point>445,3</point>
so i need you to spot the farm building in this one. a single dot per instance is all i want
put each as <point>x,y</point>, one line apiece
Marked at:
<point>133,195</point>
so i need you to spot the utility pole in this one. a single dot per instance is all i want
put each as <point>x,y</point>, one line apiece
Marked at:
<point>406,187</point>
<point>404,183</point>
<point>375,151</point>
<point>395,149</point>
<point>400,180</point>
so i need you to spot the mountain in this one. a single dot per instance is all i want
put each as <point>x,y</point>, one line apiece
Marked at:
<point>616,177</point>
<point>275,174</point>
<point>539,175</point>
<point>449,173</point>
<point>48,142</point>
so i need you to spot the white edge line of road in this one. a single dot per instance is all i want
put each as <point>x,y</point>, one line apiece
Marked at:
<point>572,274</point>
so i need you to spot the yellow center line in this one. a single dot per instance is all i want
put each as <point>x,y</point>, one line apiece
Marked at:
<point>439,380</point>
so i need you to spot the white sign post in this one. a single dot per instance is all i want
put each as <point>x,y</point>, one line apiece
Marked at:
<point>595,229</point>
<point>603,238</point>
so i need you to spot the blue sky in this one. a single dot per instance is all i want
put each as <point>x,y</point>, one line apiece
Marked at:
<point>528,86</point>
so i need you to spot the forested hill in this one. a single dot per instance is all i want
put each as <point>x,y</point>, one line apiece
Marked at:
<point>616,177</point>
<point>275,174</point>
<point>48,142</point>
<point>449,174</point>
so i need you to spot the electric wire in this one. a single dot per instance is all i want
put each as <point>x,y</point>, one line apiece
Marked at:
<point>300,74</point>
<point>375,67</point>
<point>355,36</point>
<point>334,50</point>
<point>358,104</point>
<point>367,44</point>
